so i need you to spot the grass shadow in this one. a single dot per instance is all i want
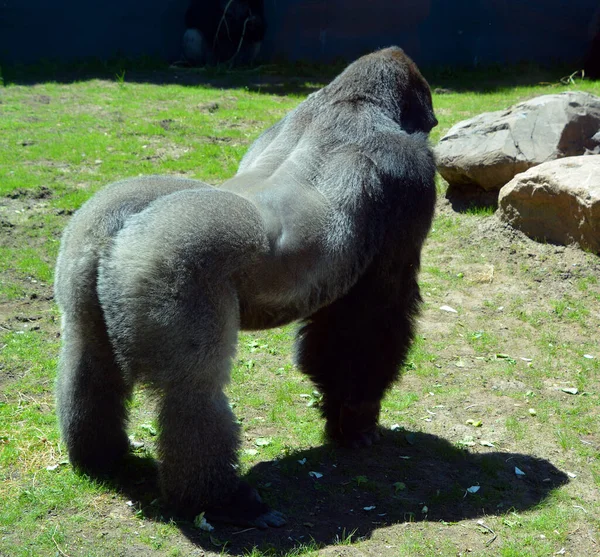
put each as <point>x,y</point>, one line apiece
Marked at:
<point>407,477</point>
<point>280,78</point>
<point>471,199</point>
<point>492,78</point>
<point>268,79</point>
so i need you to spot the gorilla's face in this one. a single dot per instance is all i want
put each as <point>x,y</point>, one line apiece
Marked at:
<point>411,91</point>
<point>417,110</point>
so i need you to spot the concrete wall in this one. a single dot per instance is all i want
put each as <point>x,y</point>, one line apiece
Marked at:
<point>467,32</point>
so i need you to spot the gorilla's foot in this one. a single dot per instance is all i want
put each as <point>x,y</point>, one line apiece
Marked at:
<point>356,426</point>
<point>245,508</point>
<point>98,456</point>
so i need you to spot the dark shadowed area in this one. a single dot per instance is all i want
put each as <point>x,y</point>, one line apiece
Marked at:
<point>407,477</point>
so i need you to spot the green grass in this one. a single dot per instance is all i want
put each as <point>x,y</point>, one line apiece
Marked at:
<point>527,315</point>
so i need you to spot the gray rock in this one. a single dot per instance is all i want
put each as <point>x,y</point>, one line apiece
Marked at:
<point>488,150</point>
<point>558,201</point>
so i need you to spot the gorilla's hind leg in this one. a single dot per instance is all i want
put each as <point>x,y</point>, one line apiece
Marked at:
<point>198,445</point>
<point>172,312</point>
<point>198,437</point>
<point>91,396</point>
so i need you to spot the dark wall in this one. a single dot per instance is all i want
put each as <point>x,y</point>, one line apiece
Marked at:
<point>466,32</point>
<point>67,30</point>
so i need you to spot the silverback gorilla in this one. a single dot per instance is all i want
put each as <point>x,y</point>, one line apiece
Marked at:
<point>323,223</point>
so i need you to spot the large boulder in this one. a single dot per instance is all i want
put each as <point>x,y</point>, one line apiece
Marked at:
<point>558,201</point>
<point>490,149</point>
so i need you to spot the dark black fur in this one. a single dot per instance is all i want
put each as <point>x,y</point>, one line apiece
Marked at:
<point>323,223</point>
<point>354,347</point>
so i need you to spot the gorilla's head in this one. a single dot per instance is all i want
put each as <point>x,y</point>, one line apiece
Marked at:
<point>390,79</point>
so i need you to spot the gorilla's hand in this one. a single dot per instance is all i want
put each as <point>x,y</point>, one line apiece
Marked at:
<point>357,424</point>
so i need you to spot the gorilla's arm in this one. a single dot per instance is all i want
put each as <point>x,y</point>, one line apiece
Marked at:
<point>354,347</point>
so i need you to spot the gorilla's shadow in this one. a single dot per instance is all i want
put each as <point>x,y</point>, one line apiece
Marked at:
<point>406,477</point>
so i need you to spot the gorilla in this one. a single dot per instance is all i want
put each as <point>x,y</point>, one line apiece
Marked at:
<point>323,223</point>
<point>222,31</point>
